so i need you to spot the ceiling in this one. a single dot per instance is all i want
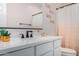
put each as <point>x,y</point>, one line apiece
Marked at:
<point>39,5</point>
<point>57,5</point>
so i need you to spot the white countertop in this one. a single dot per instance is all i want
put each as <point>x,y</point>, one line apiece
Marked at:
<point>18,43</point>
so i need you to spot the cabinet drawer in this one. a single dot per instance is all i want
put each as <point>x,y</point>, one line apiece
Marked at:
<point>57,43</point>
<point>43,48</point>
<point>57,52</point>
<point>24,52</point>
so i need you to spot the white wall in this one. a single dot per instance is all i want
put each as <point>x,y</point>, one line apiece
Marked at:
<point>49,25</point>
<point>2,15</point>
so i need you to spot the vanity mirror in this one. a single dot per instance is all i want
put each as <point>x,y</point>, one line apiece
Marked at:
<point>18,16</point>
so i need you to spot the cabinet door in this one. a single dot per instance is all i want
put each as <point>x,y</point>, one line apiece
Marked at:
<point>44,48</point>
<point>57,43</point>
<point>57,52</point>
<point>24,52</point>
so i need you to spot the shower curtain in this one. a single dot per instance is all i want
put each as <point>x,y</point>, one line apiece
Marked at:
<point>68,26</point>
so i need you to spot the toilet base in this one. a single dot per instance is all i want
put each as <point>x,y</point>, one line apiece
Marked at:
<point>68,52</point>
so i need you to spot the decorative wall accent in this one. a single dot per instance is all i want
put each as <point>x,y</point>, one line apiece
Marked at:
<point>50,13</point>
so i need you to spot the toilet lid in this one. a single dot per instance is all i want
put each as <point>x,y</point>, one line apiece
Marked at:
<point>67,50</point>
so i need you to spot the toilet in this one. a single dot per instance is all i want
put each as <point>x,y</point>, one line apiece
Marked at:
<point>68,52</point>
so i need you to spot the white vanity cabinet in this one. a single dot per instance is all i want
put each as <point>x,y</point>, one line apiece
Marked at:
<point>42,47</point>
<point>22,52</point>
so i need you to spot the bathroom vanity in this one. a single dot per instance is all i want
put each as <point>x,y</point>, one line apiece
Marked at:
<point>43,46</point>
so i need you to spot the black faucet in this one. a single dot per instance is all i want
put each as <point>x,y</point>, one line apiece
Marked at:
<point>29,34</point>
<point>22,35</point>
